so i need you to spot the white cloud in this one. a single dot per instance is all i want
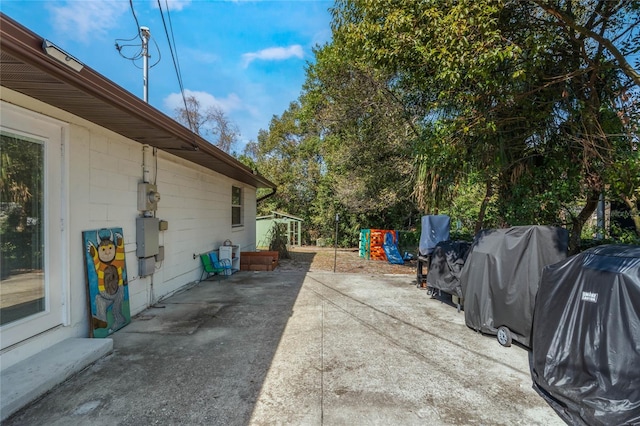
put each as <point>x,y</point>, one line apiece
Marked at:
<point>273,54</point>
<point>82,20</point>
<point>230,103</point>
<point>174,5</point>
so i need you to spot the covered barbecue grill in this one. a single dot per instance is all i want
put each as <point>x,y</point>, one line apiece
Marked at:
<point>585,358</point>
<point>445,268</point>
<point>500,278</point>
<point>435,228</point>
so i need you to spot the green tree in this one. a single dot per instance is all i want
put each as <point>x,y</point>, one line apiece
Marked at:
<point>366,139</point>
<point>513,93</point>
<point>288,155</point>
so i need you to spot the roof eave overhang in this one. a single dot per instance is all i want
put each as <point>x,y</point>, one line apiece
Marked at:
<point>91,96</point>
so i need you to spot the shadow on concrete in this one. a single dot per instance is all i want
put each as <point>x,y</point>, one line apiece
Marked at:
<point>198,357</point>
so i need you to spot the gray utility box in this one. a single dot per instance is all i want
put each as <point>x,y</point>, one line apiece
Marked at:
<point>147,236</point>
<point>146,266</point>
<point>148,197</point>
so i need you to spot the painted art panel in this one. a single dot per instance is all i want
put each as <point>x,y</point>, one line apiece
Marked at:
<point>106,273</point>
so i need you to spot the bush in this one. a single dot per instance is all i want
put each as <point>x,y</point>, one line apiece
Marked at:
<point>278,240</point>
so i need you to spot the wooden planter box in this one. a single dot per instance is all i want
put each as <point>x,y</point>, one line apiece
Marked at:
<point>258,260</point>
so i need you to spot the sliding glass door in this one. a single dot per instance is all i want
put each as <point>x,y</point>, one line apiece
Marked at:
<point>31,230</point>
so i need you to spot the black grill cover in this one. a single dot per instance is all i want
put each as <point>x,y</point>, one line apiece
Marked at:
<point>446,265</point>
<point>501,274</point>
<point>585,359</point>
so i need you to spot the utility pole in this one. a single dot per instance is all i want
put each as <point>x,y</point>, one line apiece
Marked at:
<point>146,35</point>
<point>335,245</point>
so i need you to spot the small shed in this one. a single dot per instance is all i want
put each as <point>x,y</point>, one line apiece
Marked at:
<point>292,225</point>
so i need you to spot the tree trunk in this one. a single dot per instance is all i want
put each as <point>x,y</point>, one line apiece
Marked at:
<point>483,207</point>
<point>579,221</point>
<point>632,203</point>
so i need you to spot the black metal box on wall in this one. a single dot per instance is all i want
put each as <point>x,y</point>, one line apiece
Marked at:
<point>147,236</point>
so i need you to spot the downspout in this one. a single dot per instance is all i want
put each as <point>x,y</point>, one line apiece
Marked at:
<point>264,197</point>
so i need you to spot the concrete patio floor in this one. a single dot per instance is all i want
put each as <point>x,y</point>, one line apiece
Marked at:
<point>295,348</point>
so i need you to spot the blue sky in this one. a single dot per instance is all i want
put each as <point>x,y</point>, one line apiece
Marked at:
<point>246,57</point>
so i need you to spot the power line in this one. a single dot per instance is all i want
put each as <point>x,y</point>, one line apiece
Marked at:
<point>141,52</point>
<point>175,62</point>
<point>138,54</point>
<point>174,41</point>
<point>134,16</point>
<point>176,65</point>
<point>138,45</point>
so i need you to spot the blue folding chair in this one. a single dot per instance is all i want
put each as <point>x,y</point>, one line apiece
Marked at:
<point>209,267</point>
<point>223,265</point>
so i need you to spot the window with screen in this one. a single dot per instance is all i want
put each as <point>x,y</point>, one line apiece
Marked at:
<point>236,206</point>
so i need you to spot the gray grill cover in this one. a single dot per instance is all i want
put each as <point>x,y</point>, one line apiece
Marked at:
<point>435,228</point>
<point>501,274</point>
<point>585,359</point>
<point>446,265</point>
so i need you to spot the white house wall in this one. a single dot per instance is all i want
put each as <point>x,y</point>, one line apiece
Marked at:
<point>197,204</point>
<point>104,170</point>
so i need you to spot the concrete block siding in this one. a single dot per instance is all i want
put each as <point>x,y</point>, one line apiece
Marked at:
<point>194,200</point>
<point>101,173</point>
